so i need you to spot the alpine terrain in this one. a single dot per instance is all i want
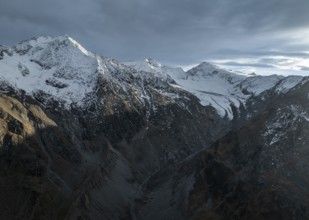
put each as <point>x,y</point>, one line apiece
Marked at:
<point>84,136</point>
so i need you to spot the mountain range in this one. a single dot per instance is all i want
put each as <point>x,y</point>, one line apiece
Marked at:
<point>83,136</point>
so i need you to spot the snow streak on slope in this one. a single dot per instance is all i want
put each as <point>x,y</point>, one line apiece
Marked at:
<point>257,84</point>
<point>288,83</point>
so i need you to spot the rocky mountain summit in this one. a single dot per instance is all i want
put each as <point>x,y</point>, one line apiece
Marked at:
<point>84,136</point>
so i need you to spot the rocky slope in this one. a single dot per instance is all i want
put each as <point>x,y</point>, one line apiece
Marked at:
<point>259,171</point>
<point>85,137</point>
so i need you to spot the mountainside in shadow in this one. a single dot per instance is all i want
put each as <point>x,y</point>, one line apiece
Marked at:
<point>85,137</point>
<point>259,171</point>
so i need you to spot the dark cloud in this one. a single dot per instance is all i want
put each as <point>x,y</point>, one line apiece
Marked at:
<point>179,32</point>
<point>304,68</point>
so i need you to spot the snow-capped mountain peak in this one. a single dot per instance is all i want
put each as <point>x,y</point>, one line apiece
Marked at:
<point>205,67</point>
<point>39,43</point>
<point>79,46</point>
<point>207,70</point>
<point>58,66</point>
<point>147,65</point>
<point>62,69</point>
<point>156,68</point>
<point>153,63</point>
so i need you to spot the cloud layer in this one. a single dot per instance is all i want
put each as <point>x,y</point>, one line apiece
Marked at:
<point>179,32</point>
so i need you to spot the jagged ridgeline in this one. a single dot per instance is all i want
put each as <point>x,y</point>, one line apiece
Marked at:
<point>83,136</point>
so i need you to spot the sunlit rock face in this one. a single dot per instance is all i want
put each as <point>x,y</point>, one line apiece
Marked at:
<point>85,137</point>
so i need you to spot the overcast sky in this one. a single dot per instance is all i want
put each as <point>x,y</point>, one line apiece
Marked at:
<point>250,34</point>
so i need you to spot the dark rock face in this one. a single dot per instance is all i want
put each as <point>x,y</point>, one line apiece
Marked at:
<point>5,51</point>
<point>23,69</point>
<point>39,63</point>
<point>55,83</point>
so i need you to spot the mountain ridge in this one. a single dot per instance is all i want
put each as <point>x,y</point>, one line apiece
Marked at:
<point>73,77</point>
<point>217,87</point>
<point>84,136</point>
